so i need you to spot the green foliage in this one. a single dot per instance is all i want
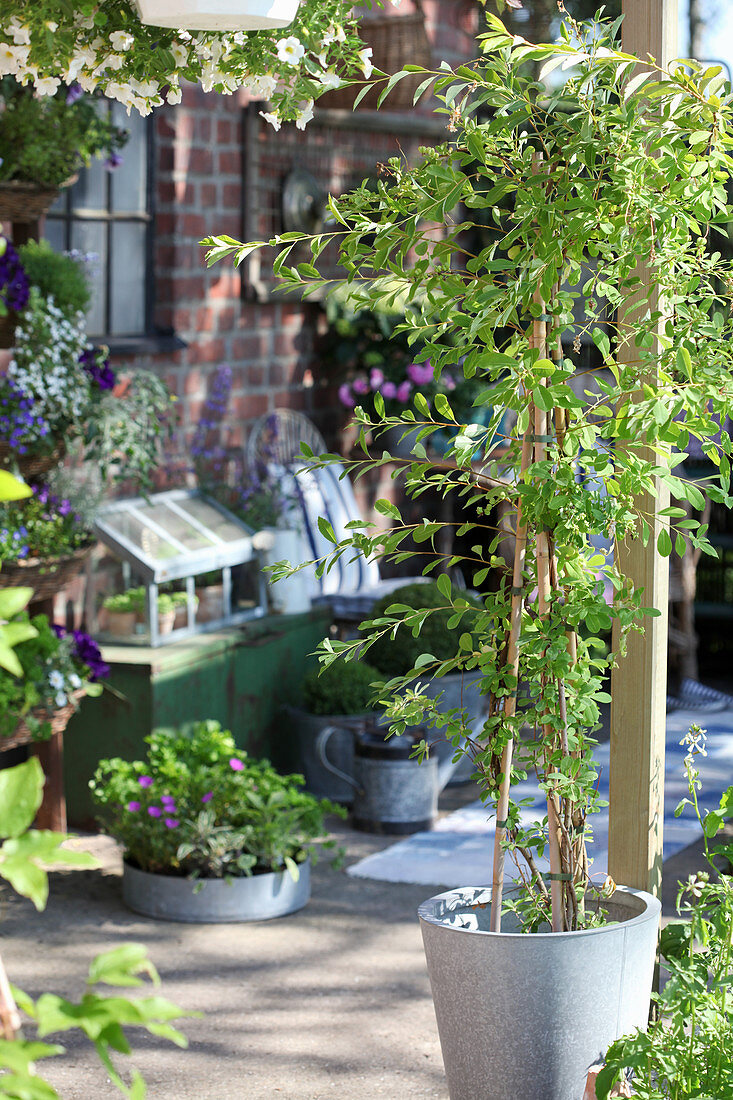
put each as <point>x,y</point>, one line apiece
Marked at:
<point>395,653</point>
<point>687,1053</point>
<point>340,690</point>
<point>199,806</point>
<point>57,275</point>
<point>623,166</point>
<point>45,141</point>
<point>43,525</point>
<point>123,432</point>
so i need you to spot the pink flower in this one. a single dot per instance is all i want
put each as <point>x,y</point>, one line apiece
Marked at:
<point>168,801</point>
<point>145,781</point>
<point>133,806</point>
<point>420,373</point>
<point>155,811</point>
<point>450,382</point>
<point>403,391</point>
<point>360,385</point>
<point>236,765</point>
<point>376,378</point>
<point>345,396</point>
<point>389,390</point>
<point>208,796</point>
<point>171,823</point>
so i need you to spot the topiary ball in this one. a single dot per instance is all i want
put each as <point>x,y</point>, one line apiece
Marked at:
<point>342,688</point>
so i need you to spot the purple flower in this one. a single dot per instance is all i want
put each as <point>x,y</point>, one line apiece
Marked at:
<point>14,285</point>
<point>114,160</point>
<point>236,765</point>
<point>96,364</point>
<point>376,378</point>
<point>73,92</point>
<point>208,796</point>
<point>360,385</point>
<point>420,373</point>
<point>168,802</point>
<point>134,805</point>
<point>171,823</point>
<point>403,391</point>
<point>155,811</point>
<point>345,396</point>
<point>145,781</point>
<point>389,389</point>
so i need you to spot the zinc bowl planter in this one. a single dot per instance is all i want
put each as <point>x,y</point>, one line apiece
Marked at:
<point>215,901</point>
<point>543,1008</point>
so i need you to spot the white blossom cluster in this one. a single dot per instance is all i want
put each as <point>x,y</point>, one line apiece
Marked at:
<point>142,67</point>
<point>46,363</point>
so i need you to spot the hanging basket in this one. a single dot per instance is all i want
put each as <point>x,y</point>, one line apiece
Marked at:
<point>31,466</point>
<point>218,15</point>
<point>59,720</point>
<point>396,41</point>
<point>24,202</point>
<point>46,576</point>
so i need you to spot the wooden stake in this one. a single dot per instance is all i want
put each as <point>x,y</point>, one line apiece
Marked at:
<point>510,704</point>
<point>9,1015</point>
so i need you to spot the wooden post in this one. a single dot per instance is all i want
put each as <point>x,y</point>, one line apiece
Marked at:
<point>638,686</point>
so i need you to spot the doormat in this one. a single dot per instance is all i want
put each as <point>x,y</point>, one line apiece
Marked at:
<point>459,850</point>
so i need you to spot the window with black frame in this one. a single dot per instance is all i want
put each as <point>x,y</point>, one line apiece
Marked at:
<point>107,216</point>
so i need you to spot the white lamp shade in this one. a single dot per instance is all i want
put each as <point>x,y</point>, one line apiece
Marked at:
<point>218,15</point>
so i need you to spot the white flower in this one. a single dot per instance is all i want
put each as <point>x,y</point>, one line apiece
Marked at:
<point>304,115</point>
<point>19,31</point>
<point>52,26</point>
<point>12,57</point>
<point>329,79</point>
<point>60,699</point>
<point>365,56</point>
<point>334,34</point>
<point>121,92</point>
<point>56,679</point>
<point>180,55</point>
<point>47,85</point>
<point>290,50</point>
<point>113,62</point>
<point>261,87</point>
<point>121,40</point>
<point>146,88</point>
<point>173,95</point>
<point>273,118</point>
<point>75,681</point>
<point>87,81</point>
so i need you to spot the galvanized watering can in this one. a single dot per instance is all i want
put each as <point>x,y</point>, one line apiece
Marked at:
<point>392,793</point>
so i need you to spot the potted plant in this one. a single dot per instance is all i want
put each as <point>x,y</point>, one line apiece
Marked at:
<point>14,290</point>
<point>339,699</point>
<point>45,140</point>
<point>209,833</point>
<point>46,538</point>
<point>574,190</point>
<point>180,607</point>
<point>121,614</point>
<point>58,667</point>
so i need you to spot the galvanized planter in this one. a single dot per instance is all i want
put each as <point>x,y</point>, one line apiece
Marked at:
<point>318,779</point>
<point>259,897</point>
<point>524,1016</point>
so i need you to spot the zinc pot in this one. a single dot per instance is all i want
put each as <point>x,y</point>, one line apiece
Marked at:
<point>257,897</point>
<point>218,15</point>
<point>319,779</point>
<point>523,1016</point>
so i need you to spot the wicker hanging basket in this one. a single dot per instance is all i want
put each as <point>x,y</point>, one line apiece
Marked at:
<point>59,720</point>
<point>30,466</point>
<point>395,41</point>
<point>46,576</point>
<point>24,202</point>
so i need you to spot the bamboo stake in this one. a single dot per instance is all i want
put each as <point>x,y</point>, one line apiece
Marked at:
<point>510,704</point>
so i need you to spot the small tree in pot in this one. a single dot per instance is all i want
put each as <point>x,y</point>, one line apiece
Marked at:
<point>572,191</point>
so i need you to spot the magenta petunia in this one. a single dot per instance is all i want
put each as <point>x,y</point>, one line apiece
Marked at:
<point>145,781</point>
<point>208,796</point>
<point>171,823</point>
<point>168,800</point>
<point>345,396</point>
<point>389,389</point>
<point>236,765</point>
<point>134,805</point>
<point>155,811</point>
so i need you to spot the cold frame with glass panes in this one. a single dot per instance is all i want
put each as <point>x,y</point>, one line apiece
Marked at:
<point>170,539</point>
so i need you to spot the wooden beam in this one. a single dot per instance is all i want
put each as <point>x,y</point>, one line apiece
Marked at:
<point>639,684</point>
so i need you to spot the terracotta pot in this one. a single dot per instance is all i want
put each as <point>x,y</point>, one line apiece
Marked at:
<point>121,624</point>
<point>166,621</point>
<point>211,603</point>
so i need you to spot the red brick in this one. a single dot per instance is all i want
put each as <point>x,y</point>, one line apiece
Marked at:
<point>224,131</point>
<point>207,351</point>
<point>201,161</point>
<point>207,195</point>
<point>193,225</point>
<point>203,128</point>
<point>194,382</point>
<point>230,163</point>
<point>250,406</point>
<point>231,196</point>
<point>251,346</point>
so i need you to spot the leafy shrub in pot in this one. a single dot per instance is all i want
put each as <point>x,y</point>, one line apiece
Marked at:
<point>197,807</point>
<point>347,690</point>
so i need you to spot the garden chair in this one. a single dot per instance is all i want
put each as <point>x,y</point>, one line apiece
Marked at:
<point>353,584</point>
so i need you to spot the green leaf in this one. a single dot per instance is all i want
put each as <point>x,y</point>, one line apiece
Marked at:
<point>11,488</point>
<point>664,543</point>
<point>444,586</point>
<point>425,659</point>
<point>443,407</point>
<point>21,791</point>
<point>13,601</point>
<point>122,965</point>
<point>326,530</point>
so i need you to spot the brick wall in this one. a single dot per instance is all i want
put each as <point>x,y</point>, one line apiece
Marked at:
<point>221,170</point>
